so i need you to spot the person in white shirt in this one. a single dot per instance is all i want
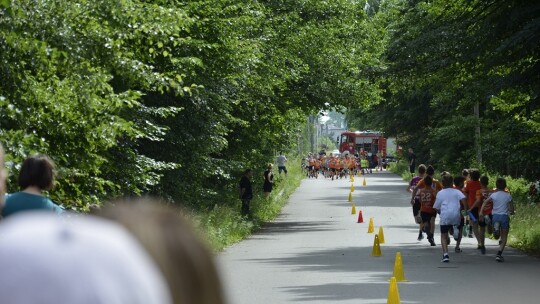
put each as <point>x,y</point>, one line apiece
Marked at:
<point>502,207</point>
<point>447,203</point>
<point>281,160</point>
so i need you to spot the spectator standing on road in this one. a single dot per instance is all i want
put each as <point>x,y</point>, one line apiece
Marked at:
<point>281,160</point>
<point>268,180</point>
<point>502,207</point>
<point>447,205</point>
<point>412,160</point>
<point>379,160</point>
<point>36,177</point>
<point>246,192</point>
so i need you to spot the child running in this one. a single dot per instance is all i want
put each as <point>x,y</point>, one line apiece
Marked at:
<point>502,206</point>
<point>415,200</point>
<point>447,205</point>
<point>483,220</point>
<point>470,189</point>
<point>459,182</point>
<point>428,214</point>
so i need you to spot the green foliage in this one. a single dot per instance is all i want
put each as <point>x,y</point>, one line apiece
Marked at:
<point>223,225</point>
<point>444,58</point>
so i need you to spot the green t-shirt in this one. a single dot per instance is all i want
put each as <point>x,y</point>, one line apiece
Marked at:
<point>23,201</point>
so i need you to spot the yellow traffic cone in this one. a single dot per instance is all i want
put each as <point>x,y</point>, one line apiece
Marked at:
<point>352,188</point>
<point>393,292</point>
<point>370,229</point>
<point>353,211</point>
<point>350,197</point>
<point>399,275</point>
<point>352,178</point>
<point>381,235</point>
<point>364,182</point>
<point>376,247</point>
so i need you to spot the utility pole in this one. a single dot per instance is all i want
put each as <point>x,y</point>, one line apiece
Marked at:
<point>477,133</point>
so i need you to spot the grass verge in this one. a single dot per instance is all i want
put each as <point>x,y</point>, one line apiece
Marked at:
<point>223,225</point>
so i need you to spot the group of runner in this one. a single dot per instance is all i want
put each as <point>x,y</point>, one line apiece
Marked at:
<point>336,166</point>
<point>465,204</point>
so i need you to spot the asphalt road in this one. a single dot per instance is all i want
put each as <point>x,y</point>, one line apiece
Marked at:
<point>316,252</point>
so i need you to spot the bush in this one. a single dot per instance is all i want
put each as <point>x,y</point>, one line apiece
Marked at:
<point>224,226</point>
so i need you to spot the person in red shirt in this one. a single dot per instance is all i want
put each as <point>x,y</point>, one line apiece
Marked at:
<point>470,189</point>
<point>481,195</point>
<point>427,213</point>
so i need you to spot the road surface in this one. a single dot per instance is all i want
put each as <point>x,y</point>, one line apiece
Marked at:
<point>316,252</point>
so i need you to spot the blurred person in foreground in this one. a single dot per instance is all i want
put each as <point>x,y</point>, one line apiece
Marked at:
<point>47,259</point>
<point>169,237</point>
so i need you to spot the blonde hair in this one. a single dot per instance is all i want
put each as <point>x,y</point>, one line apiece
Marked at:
<point>183,258</point>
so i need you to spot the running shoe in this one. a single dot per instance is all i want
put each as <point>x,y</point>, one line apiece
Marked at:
<point>483,249</point>
<point>458,250</point>
<point>496,230</point>
<point>470,235</point>
<point>499,258</point>
<point>456,232</point>
<point>445,258</point>
<point>420,236</point>
<point>431,241</point>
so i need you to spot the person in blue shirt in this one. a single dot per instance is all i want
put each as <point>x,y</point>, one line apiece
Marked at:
<point>36,177</point>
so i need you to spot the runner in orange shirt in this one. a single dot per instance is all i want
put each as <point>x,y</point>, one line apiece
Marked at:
<point>483,194</point>
<point>427,213</point>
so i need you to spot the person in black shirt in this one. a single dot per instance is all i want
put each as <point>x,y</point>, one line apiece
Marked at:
<point>268,180</point>
<point>412,160</point>
<point>246,192</point>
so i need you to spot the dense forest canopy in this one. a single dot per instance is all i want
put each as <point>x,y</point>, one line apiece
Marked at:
<point>175,98</point>
<point>461,83</point>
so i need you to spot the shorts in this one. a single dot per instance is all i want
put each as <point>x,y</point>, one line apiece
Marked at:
<point>446,228</point>
<point>267,187</point>
<point>503,220</point>
<point>426,217</point>
<point>416,206</point>
<point>282,168</point>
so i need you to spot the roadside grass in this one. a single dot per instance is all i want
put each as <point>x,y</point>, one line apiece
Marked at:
<point>223,226</point>
<point>525,224</point>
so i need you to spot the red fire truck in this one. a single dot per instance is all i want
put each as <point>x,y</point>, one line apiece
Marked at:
<point>369,142</point>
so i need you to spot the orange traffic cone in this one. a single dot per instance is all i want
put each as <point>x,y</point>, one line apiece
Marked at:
<point>360,217</point>
<point>371,228</point>
<point>398,269</point>
<point>393,292</point>
<point>353,211</point>
<point>381,235</point>
<point>376,252</point>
